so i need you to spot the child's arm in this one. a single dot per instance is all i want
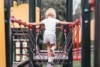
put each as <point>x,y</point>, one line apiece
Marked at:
<point>65,23</point>
<point>35,23</point>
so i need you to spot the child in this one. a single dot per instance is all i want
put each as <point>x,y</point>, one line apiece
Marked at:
<point>49,37</point>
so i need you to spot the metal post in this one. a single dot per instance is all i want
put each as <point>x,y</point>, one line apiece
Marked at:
<point>39,3</point>
<point>32,10</point>
<point>97,35</point>
<point>85,33</point>
<point>9,47</point>
<point>11,3</point>
<point>69,18</point>
<point>31,20</point>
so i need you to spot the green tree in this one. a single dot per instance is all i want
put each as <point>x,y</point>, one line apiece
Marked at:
<point>58,5</point>
<point>77,12</point>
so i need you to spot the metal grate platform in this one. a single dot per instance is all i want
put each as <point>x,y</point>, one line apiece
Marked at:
<point>42,56</point>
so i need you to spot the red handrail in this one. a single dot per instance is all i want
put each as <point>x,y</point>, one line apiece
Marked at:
<point>20,22</point>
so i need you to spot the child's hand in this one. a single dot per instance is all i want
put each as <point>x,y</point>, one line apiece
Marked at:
<point>12,19</point>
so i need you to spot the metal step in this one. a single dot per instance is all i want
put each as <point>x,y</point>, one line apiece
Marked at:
<point>42,56</point>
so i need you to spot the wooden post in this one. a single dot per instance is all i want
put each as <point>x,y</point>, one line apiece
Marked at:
<point>2,36</point>
<point>38,6</point>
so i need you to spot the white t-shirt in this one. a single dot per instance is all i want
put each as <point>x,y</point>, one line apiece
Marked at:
<point>50,25</point>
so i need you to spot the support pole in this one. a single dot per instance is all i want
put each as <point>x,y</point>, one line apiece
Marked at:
<point>2,36</point>
<point>32,19</point>
<point>69,18</point>
<point>97,35</point>
<point>9,46</point>
<point>32,11</point>
<point>85,34</point>
<point>11,3</point>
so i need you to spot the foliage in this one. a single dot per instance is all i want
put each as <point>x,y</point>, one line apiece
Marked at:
<point>22,1</point>
<point>58,5</point>
<point>77,12</point>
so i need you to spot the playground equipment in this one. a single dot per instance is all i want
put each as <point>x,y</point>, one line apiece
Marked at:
<point>85,36</point>
<point>41,57</point>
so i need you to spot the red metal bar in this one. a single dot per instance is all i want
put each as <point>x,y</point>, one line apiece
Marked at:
<point>20,22</point>
<point>76,22</point>
<point>77,41</point>
<point>30,26</point>
<point>92,3</point>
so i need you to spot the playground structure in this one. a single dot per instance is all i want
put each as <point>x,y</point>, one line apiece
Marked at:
<point>85,40</point>
<point>40,56</point>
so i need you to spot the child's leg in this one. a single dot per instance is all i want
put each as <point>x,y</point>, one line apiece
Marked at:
<point>53,44</point>
<point>48,50</point>
<point>50,58</point>
<point>53,47</point>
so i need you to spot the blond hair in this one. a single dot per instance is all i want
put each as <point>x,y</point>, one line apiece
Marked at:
<point>50,12</point>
